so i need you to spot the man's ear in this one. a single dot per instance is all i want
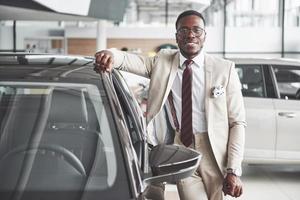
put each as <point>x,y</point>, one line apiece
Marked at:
<point>176,38</point>
<point>204,37</point>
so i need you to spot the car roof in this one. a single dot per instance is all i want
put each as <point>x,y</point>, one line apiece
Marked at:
<point>273,61</point>
<point>46,67</point>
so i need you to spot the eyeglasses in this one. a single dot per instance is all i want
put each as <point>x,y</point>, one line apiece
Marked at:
<point>197,31</point>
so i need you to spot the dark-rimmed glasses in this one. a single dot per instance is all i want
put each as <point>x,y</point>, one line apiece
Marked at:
<point>197,31</point>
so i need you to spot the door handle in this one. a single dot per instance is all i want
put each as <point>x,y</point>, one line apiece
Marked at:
<point>287,114</point>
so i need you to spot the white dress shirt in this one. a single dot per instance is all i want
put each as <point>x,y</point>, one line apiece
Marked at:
<point>198,93</point>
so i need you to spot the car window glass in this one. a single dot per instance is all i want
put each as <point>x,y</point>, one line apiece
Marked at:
<point>251,77</point>
<point>288,81</point>
<point>126,108</point>
<point>129,110</point>
<point>130,114</point>
<point>62,134</point>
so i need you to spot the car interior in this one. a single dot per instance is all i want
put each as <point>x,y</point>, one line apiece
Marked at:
<point>252,81</point>
<point>51,155</point>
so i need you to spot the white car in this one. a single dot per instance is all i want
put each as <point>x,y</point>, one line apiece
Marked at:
<point>271,90</point>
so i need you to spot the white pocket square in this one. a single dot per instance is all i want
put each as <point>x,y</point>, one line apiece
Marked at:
<point>217,91</point>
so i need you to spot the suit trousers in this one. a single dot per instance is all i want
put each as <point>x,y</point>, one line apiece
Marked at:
<point>206,183</point>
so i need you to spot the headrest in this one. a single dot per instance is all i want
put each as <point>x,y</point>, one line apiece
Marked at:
<point>251,75</point>
<point>68,110</point>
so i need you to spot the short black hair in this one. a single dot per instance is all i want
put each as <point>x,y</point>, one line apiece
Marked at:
<point>188,13</point>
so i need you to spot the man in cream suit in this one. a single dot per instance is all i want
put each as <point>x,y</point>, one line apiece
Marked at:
<point>217,116</point>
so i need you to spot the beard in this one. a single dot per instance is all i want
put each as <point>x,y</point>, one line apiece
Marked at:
<point>190,50</point>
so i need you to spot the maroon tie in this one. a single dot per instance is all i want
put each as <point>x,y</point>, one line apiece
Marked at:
<point>186,105</point>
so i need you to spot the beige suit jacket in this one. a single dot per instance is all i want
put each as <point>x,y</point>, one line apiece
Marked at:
<point>225,114</point>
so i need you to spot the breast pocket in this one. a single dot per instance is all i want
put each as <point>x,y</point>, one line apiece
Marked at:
<point>220,108</point>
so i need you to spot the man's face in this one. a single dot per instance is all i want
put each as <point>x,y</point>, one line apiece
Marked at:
<point>190,35</point>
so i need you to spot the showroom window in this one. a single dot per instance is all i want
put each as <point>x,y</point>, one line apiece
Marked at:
<point>245,13</point>
<point>292,13</point>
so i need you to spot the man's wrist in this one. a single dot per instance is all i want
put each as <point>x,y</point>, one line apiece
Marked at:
<point>232,171</point>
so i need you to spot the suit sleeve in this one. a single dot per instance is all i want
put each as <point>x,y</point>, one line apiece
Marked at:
<point>137,64</point>
<point>236,119</point>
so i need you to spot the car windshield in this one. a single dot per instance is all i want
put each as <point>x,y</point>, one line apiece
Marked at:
<point>58,141</point>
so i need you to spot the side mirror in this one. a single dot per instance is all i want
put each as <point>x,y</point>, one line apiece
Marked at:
<point>170,163</point>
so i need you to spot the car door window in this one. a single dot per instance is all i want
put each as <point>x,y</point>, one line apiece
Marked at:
<point>288,80</point>
<point>130,114</point>
<point>251,77</point>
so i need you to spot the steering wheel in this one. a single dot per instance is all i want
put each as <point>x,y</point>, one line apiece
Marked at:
<point>65,153</point>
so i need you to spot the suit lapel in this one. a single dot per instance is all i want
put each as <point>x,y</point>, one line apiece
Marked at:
<point>173,72</point>
<point>208,85</point>
<point>154,109</point>
<point>174,68</point>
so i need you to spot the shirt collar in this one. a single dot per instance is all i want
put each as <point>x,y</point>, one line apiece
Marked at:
<point>198,60</point>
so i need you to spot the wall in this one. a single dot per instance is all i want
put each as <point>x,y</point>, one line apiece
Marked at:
<point>292,42</point>
<point>142,45</point>
<point>253,42</point>
<point>144,40</point>
<point>24,33</point>
<point>240,42</point>
<point>214,40</point>
<point>82,46</point>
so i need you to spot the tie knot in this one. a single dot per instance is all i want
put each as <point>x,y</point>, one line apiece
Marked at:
<point>188,62</point>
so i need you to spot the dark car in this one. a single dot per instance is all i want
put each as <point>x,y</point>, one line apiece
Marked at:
<point>67,132</point>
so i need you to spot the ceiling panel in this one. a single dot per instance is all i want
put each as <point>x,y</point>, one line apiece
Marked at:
<point>113,10</point>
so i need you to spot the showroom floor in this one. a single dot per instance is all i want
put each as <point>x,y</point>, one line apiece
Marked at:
<point>263,182</point>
